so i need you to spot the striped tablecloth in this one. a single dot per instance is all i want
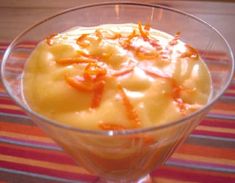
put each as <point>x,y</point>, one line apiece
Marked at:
<point>28,155</point>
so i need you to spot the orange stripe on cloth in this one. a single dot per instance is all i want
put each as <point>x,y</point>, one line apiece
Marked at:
<point>26,137</point>
<point>206,151</point>
<point>186,171</point>
<point>32,149</point>
<point>168,180</point>
<point>231,91</point>
<point>10,106</point>
<point>43,164</point>
<point>2,90</point>
<point>215,129</point>
<point>222,111</point>
<point>224,106</point>
<point>197,158</point>
<point>19,128</point>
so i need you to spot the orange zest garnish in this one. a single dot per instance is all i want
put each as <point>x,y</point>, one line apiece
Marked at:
<point>176,91</point>
<point>97,94</point>
<point>147,27</point>
<point>76,60</point>
<point>99,35</point>
<point>79,84</point>
<point>93,80</point>
<point>50,37</point>
<point>81,40</point>
<point>132,35</point>
<point>190,53</point>
<point>143,33</point>
<point>174,41</point>
<point>155,44</point>
<point>84,40</point>
<point>123,72</point>
<point>141,53</point>
<point>83,85</point>
<point>94,72</point>
<point>130,111</point>
<point>110,126</point>
<point>156,74</point>
<point>127,43</point>
<point>115,36</point>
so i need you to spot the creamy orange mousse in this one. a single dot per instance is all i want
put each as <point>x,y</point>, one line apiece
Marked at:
<point>115,77</point>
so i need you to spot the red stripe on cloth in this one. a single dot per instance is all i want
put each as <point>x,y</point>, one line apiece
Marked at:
<point>12,111</point>
<point>201,165</point>
<point>184,174</point>
<point>37,155</point>
<point>6,101</point>
<point>224,105</point>
<point>227,94</point>
<point>48,144</point>
<point>210,133</point>
<point>232,85</point>
<point>218,123</point>
<point>24,177</point>
<point>33,149</point>
<point>205,151</point>
<point>20,128</point>
<point>4,43</point>
<point>49,172</point>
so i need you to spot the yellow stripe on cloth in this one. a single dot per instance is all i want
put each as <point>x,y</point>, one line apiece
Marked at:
<point>10,106</point>
<point>222,111</point>
<point>216,129</point>
<point>26,137</point>
<point>43,164</point>
<point>216,160</point>
<point>166,180</point>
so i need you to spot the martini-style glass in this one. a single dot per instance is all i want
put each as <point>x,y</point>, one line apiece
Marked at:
<point>126,155</point>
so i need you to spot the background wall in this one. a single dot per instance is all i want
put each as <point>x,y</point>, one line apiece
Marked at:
<point>16,15</point>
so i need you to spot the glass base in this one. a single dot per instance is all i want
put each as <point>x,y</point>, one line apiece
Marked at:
<point>146,179</point>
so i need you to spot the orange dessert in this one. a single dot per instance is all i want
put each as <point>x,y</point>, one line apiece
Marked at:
<point>116,77</point>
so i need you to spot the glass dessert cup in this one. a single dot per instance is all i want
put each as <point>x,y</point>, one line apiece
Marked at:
<point>125,155</point>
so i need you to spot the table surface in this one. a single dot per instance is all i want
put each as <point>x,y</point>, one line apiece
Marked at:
<point>29,155</point>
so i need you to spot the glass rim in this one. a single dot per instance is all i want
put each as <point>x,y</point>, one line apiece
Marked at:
<point>44,119</point>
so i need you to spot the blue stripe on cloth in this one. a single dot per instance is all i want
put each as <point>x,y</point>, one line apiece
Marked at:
<point>51,178</point>
<point>221,116</point>
<point>3,94</point>
<point>19,116</point>
<point>212,138</point>
<point>28,144</point>
<point>197,166</point>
